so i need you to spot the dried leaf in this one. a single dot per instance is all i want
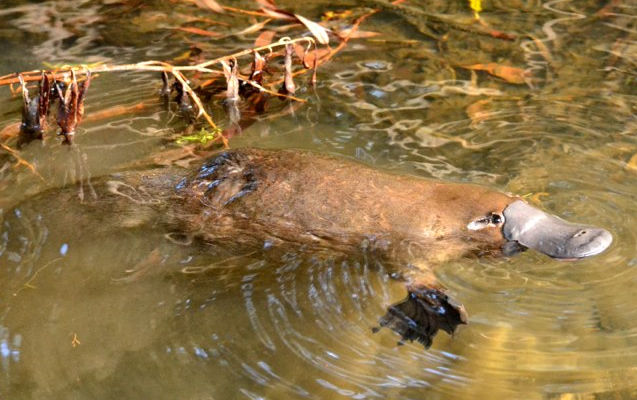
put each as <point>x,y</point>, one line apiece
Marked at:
<point>288,27</point>
<point>314,68</point>
<point>71,108</point>
<point>508,73</point>
<point>194,51</point>
<point>288,84</point>
<point>233,113</point>
<point>210,4</point>
<point>264,38</point>
<point>309,57</point>
<point>254,27</point>
<point>266,3</point>
<point>232,82</point>
<point>502,35</point>
<point>356,34</point>
<point>44,100</point>
<point>115,111</point>
<point>187,18</point>
<point>25,92</point>
<point>319,32</point>
<point>198,31</point>
<point>82,96</point>
<point>303,52</point>
<point>278,14</point>
<point>258,65</point>
<point>182,98</point>
<point>31,127</point>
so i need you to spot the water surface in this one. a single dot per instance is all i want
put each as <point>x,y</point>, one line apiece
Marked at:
<point>126,313</point>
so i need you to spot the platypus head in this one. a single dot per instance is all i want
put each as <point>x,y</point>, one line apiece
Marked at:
<point>524,226</point>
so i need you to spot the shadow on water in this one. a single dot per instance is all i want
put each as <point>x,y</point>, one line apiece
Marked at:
<point>126,313</point>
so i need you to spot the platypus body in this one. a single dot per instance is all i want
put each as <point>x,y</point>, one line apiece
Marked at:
<point>282,198</point>
<point>290,196</point>
<point>324,202</point>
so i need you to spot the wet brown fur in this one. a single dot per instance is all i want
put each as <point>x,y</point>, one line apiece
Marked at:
<point>320,201</point>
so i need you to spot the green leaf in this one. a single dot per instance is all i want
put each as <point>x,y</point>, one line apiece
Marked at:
<point>202,137</point>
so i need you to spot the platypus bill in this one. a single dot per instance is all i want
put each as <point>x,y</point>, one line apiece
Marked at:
<point>283,198</point>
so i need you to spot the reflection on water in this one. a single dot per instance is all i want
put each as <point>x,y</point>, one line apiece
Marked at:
<point>91,312</point>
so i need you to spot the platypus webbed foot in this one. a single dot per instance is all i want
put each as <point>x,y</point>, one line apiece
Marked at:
<point>421,314</point>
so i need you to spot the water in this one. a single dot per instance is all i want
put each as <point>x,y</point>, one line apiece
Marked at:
<point>118,312</point>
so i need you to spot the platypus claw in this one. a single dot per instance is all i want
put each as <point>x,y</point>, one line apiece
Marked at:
<point>421,314</point>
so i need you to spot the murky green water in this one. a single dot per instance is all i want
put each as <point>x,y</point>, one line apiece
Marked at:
<point>154,319</point>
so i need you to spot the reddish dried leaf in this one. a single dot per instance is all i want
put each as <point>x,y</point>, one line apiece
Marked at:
<point>115,112</point>
<point>211,5</point>
<point>317,30</point>
<point>288,27</point>
<point>508,73</point>
<point>502,35</point>
<point>198,31</point>
<point>254,27</point>
<point>300,51</point>
<point>309,58</point>
<point>71,107</point>
<point>278,14</point>
<point>494,32</point>
<point>266,3</point>
<point>232,82</point>
<point>258,65</point>
<point>288,84</point>
<point>189,54</point>
<point>82,96</point>
<point>264,38</point>
<point>303,52</point>
<point>207,82</point>
<point>44,101</point>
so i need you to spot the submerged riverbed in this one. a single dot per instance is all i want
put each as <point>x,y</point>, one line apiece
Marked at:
<point>127,313</point>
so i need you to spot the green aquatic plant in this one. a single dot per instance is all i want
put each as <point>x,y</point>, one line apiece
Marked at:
<point>204,136</point>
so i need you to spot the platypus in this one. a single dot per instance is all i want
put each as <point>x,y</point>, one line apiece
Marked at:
<point>281,198</point>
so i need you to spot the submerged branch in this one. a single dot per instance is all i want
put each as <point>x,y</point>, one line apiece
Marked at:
<point>21,161</point>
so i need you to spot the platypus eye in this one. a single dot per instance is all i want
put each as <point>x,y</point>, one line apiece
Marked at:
<point>496,219</point>
<point>490,220</point>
